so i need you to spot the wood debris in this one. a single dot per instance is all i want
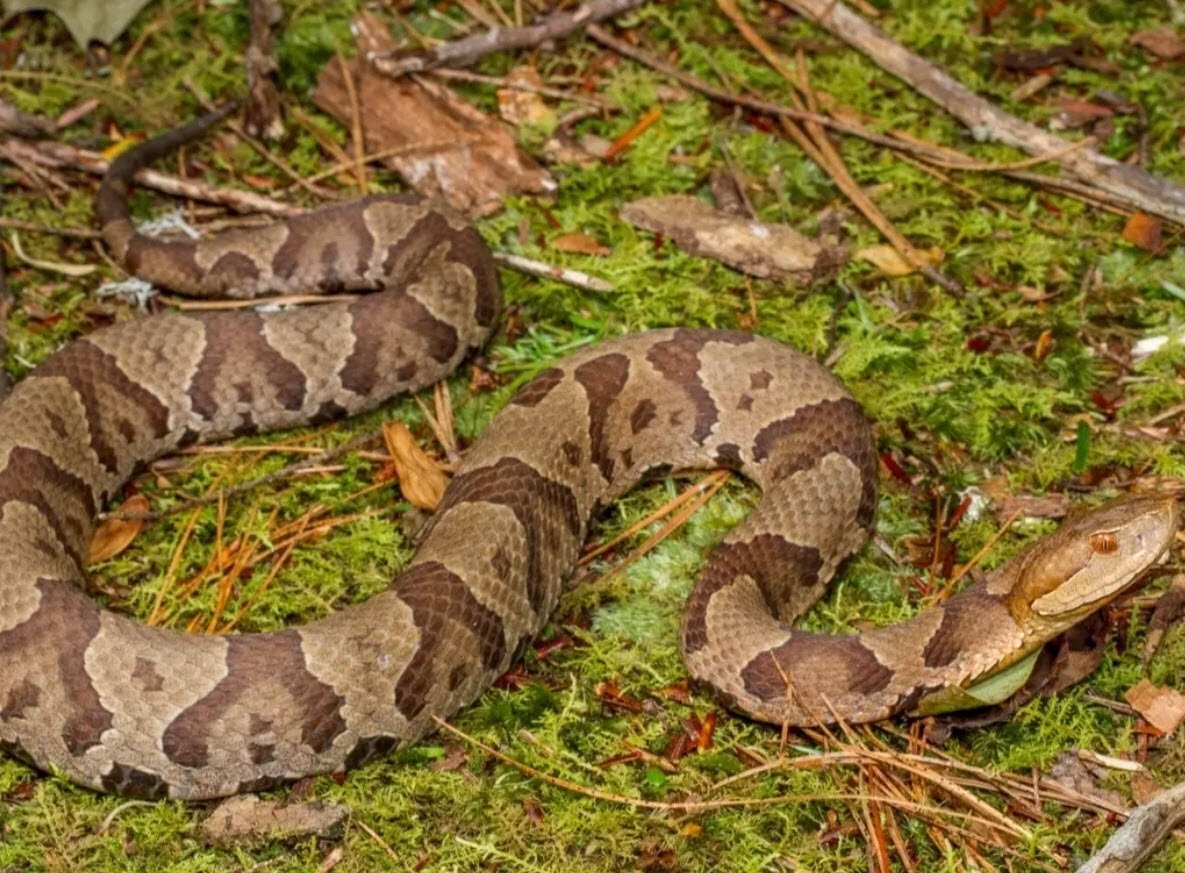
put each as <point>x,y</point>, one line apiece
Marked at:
<point>768,251</point>
<point>247,819</point>
<point>1163,708</point>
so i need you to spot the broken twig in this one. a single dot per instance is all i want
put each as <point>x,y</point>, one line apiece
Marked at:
<point>1133,186</point>
<point>467,51</point>
<point>1147,826</point>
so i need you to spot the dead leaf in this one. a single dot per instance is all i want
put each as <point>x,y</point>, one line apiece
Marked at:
<point>1163,708</point>
<point>248,820</point>
<point>774,251</point>
<point>521,105</point>
<point>890,262</point>
<point>1144,231</point>
<point>1163,41</point>
<point>87,20</point>
<point>421,480</point>
<point>580,243</point>
<point>445,147</point>
<point>116,534</point>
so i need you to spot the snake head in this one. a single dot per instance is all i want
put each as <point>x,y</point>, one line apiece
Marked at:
<point>1092,558</point>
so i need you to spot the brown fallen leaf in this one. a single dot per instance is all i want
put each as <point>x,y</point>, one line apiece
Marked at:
<point>116,534</point>
<point>444,147</point>
<point>248,820</point>
<point>1163,41</point>
<point>421,480</point>
<point>580,243</point>
<point>1163,708</point>
<point>890,262</point>
<point>768,251</point>
<point>1144,231</point>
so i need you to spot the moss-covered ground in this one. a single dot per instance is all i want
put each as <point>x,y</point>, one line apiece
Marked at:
<point>1039,395</point>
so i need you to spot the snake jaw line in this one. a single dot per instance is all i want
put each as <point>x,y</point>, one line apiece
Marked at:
<point>1093,558</point>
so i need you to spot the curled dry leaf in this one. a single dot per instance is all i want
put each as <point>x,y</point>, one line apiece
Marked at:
<point>116,534</point>
<point>890,262</point>
<point>768,251</point>
<point>421,479</point>
<point>1163,708</point>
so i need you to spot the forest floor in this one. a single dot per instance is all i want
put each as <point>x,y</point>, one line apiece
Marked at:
<point>1024,390</point>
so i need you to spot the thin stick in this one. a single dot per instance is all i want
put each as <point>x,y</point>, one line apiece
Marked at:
<point>692,805</point>
<point>1133,186</point>
<point>815,143</point>
<point>320,459</point>
<point>541,270</point>
<point>60,155</point>
<point>465,52</point>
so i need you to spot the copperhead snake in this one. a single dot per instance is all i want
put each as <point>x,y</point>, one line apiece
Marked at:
<point>120,707</point>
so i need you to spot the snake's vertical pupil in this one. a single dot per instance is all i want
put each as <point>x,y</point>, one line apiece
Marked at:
<point>1104,543</point>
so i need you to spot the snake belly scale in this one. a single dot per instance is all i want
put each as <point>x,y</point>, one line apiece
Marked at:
<point>121,707</point>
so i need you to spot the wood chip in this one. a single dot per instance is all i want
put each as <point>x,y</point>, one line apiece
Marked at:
<point>248,820</point>
<point>421,480</point>
<point>442,146</point>
<point>116,534</point>
<point>1163,708</point>
<point>768,251</point>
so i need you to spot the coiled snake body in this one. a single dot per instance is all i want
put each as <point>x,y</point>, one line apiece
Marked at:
<point>117,706</point>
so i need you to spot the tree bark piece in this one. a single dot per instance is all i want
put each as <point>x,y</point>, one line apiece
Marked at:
<point>465,52</point>
<point>768,251</point>
<point>246,819</point>
<point>1141,835</point>
<point>1133,186</point>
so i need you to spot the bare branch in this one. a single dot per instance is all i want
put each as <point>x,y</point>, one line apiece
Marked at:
<point>1147,826</point>
<point>465,52</point>
<point>1133,186</point>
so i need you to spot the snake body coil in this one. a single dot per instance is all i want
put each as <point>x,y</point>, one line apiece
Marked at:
<point>121,707</point>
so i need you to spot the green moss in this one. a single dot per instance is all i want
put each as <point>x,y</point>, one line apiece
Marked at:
<point>953,386</point>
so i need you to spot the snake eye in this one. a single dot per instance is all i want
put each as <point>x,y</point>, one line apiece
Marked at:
<point>1104,543</point>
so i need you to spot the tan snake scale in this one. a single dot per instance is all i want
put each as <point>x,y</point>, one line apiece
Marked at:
<point>121,707</point>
